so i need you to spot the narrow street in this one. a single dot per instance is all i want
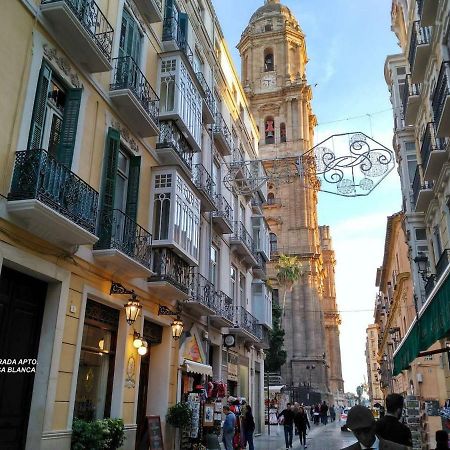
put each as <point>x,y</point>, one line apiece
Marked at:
<point>328,437</point>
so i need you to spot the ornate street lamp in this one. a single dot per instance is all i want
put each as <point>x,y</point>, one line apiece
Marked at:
<point>133,307</point>
<point>177,325</point>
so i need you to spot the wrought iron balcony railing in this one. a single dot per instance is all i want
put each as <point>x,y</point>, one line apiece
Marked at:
<point>224,209</point>
<point>93,21</point>
<point>441,91</point>
<point>261,261</point>
<point>417,186</point>
<point>169,267</point>
<point>209,97</point>
<point>443,263</point>
<point>203,181</point>
<point>430,143</point>
<point>429,285</point>
<point>240,233</point>
<point>37,175</point>
<point>128,75</point>
<point>245,320</point>
<point>202,291</point>
<point>221,127</point>
<point>226,306</point>
<point>119,231</point>
<point>172,136</point>
<point>419,36</point>
<point>409,90</point>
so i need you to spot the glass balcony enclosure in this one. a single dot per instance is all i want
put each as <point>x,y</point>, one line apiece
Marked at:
<point>176,213</point>
<point>261,236</point>
<point>262,303</point>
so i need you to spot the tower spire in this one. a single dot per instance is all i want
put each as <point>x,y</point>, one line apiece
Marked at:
<point>271,1</point>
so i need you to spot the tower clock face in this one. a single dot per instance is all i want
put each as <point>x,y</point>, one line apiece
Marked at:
<point>268,80</point>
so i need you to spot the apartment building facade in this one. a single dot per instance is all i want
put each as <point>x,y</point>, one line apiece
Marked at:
<point>373,375</point>
<point>121,120</point>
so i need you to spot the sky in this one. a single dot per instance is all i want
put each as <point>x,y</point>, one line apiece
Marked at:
<point>347,44</point>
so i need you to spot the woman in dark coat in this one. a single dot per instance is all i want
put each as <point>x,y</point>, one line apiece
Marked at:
<point>301,422</point>
<point>248,423</point>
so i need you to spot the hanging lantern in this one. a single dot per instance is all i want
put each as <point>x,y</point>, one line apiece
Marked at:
<point>177,328</point>
<point>132,309</point>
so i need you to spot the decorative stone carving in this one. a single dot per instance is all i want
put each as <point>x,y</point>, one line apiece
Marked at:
<point>63,64</point>
<point>125,134</point>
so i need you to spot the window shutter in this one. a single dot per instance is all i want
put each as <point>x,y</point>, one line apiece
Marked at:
<point>183,27</point>
<point>133,187</point>
<point>110,164</point>
<point>69,127</point>
<point>39,108</point>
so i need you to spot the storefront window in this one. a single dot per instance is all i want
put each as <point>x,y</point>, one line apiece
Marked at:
<point>96,367</point>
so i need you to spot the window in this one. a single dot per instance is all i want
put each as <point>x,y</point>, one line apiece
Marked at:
<point>268,60</point>
<point>437,244</point>
<point>273,243</point>
<point>276,297</point>
<point>55,117</point>
<point>421,234</point>
<point>269,130</point>
<point>242,298</point>
<point>130,42</point>
<point>268,27</point>
<point>214,266</point>
<point>412,164</point>
<point>270,198</point>
<point>242,213</point>
<point>283,132</point>
<point>401,71</point>
<point>233,283</point>
<point>96,366</point>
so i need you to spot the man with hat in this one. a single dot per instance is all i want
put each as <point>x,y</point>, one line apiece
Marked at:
<point>362,423</point>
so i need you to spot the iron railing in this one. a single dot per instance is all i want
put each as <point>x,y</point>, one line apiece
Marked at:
<point>240,233</point>
<point>93,21</point>
<point>430,143</point>
<point>272,201</point>
<point>419,36</point>
<point>224,209</point>
<point>225,306</point>
<point>169,267</point>
<point>261,262</point>
<point>441,92</point>
<point>203,181</point>
<point>443,262</point>
<point>245,320</point>
<point>172,136</point>
<point>37,175</point>
<point>220,127</point>
<point>202,291</point>
<point>119,231</point>
<point>429,285</point>
<point>128,75</point>
<point>419,7</point>
<point>209,97</point>
<point>410,89</point>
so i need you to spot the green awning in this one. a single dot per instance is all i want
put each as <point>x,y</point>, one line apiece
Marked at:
<point>433,324</point>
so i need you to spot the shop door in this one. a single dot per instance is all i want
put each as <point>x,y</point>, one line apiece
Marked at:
<point>142,399</point>
<point>257,407</point>
<point>22,301</point>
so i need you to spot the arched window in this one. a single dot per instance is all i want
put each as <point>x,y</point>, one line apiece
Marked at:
<point>283,132</point>
<point>268,60</point>
<point>273,243</point>
<point>269,130</point>
<point>270,198</point>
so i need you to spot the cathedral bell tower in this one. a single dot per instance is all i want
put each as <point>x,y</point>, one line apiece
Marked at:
<point>274,58</point>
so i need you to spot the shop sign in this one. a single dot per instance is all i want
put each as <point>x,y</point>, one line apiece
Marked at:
<point>232,372</point>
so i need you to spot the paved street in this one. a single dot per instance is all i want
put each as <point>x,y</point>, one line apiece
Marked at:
<point>329,437</point>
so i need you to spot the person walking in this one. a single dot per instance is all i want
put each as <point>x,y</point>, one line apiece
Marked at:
<point>389,427</point>
<point>248,426</point>
<point>316,414</point>
<point>361,422</point>
<point>332,413</point>
<point>228,427</point>
<point>324,413</point>
<point>441,440</point>
<point>301,422</point>
<point>288,424</point>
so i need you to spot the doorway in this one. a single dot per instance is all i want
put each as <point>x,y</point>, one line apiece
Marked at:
<point>22,301</point>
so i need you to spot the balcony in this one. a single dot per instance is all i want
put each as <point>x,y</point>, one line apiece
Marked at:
<point>419,51</point>
<point>173,148</point>
<point>441,102</point>
<point>205,186</point>
<point>172,275</point>
<point>427,10</point>
<point>150,9</point>
<point>272,202</point>
<point>264,342</point>
<point>124,247</point>
<point>224,315</point>
<point>262,304</point>
<point>223,216</point>
<point>202,300</point>
<point>261,237</point>
<point>257,205</point>
<point>134,97</point>
<point>208,100</point>
<point>259,270</point>
<point>410,100</point>
<point>82,29</point>
<point>52,202</point>
<point>259,175</point>
<point>433,153</point>
<point>443,263</point>
<point>246,325</point>
<point>422,193</point>
<point>241,174</point>
<point>222,136</point>
<point>242,243</point>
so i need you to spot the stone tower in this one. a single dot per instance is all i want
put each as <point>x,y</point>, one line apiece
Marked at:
<point>274,58</point>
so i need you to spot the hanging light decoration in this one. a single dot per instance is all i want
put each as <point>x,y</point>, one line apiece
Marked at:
<point>142,350</point>
<point>137,340</point>
<point>177,328</point>
<point>132,309</point>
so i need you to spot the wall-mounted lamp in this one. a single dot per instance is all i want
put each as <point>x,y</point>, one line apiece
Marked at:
<point>422,265</point>
<point>133,307</point>
<point>177,325</point>
<point>140,344</point>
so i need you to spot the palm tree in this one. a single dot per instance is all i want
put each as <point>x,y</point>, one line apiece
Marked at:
<point>289,270</point>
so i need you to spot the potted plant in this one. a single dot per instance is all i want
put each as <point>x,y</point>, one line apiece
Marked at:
<point>116,431</point>
<point>179,415</point>
<point>106,434</point>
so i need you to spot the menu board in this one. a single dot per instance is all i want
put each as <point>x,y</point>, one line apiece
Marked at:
<point>155,440</point>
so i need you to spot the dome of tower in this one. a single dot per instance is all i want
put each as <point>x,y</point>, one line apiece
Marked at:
<point>272,8</point>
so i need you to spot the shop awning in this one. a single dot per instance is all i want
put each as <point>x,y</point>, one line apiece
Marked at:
<point>433,324</point>
<point>276,388</point>
<point>195,367</point>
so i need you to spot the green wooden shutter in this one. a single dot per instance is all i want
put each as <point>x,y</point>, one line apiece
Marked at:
<point>110,164</point>
<point>69,127</point>
<point>39,108</point>
<point>133,187</point>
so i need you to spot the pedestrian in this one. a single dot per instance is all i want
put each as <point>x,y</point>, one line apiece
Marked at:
<point>248,426</point>
<point>362,423</point>
<point>389,427</point>
<point>288,424</point>
<point>316,414</point>
<point>441,440</point>
<point>301,422</point>
<point>324,413</point>
<point>228,428</point>
<point>332,413</point>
